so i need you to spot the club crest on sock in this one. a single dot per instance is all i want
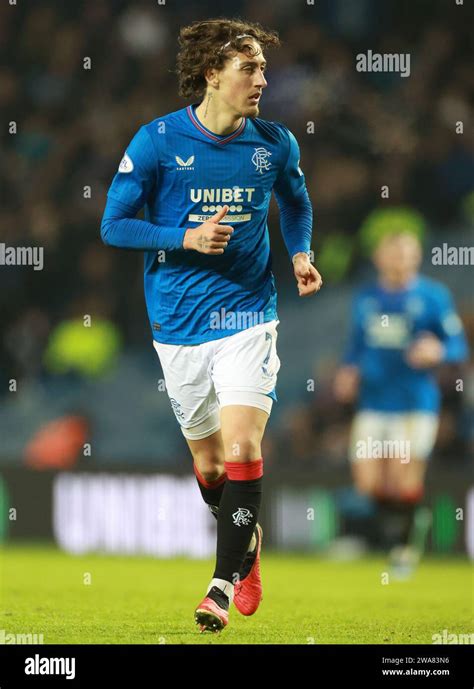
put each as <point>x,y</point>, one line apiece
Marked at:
<point>242,517</point>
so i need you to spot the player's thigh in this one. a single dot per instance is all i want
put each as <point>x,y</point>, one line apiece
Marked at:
<point>208,455</point>
<point>417,431</point>
<point>406,479</point>
<point>244,372</point>
<point>190,388</point>
<point>242,429</point>
<point>247,362</point>
<point>367,471</point>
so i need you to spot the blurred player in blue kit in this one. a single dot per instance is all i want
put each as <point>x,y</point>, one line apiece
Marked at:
<point>205,175</point>
<point>403,326</point>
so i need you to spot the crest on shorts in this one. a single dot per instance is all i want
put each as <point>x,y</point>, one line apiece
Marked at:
<point>242,517</point>
<point>259,159</point>
<point>177,408</point>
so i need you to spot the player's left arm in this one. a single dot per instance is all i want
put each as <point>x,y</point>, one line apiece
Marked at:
<point>296,219</point>
<point>446,343</point>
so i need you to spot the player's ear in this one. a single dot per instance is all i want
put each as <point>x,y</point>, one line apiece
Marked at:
<point>211,77</point>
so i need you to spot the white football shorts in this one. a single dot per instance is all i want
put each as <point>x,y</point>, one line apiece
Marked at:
<point>405,436</point>
<point>238,369</point>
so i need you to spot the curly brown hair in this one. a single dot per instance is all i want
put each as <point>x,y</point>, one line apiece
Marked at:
<point>208,44</point>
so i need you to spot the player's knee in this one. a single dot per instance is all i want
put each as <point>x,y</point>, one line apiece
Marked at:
<point>410,491</point>
<point>212,474</point>
<point>408,482</point>
<point>244,450</point>
<point>210,467</point>
<point>210,464</point>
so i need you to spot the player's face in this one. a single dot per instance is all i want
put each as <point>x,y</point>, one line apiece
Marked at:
<point>242,80</point>
<point>398,258</point>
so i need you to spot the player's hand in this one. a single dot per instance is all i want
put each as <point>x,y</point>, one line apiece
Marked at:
<point>307,277</point>
<point>346,384</point>
<point>426,352</point>
<point>210,237</point>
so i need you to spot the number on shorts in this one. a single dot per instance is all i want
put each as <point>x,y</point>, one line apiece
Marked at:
<point>268,336</point>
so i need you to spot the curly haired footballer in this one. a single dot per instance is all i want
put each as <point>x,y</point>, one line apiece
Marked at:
<point>205,174</point>
<point>206,44</point>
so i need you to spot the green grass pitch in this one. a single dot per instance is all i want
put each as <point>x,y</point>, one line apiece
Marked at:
<point>106,599</point>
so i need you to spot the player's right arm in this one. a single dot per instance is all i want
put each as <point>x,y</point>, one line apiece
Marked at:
<point>135,180</point>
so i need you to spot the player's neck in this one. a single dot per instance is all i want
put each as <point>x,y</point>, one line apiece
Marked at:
<point>216,118</point>
<point>391,285</point>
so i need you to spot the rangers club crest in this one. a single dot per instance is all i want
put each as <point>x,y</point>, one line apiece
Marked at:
<point>242,517</point>
<point>259,159</point>
<point>177,408</point>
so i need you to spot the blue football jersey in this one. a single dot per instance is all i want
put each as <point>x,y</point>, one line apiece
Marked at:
<point>384,326</point>
<point>182,174</point>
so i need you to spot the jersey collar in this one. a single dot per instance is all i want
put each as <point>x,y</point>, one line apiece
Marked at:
<point>214,137</point>
<point>408,287</point>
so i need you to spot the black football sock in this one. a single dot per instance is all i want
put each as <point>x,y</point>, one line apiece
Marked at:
<point>396,520</point>
<point>211,491</point>
<point>237,516</point>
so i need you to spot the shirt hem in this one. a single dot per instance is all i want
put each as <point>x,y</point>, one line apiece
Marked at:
<point>208,338</point>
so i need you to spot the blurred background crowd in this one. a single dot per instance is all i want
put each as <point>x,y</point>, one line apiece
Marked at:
<point>66,122</point>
